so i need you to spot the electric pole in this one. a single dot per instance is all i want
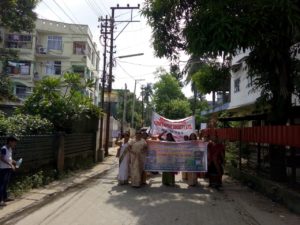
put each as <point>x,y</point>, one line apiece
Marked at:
<point>124,108</point>
<point>104,33</point>
<point>110,75</point>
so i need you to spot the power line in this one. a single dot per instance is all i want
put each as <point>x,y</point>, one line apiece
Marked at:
<point>143,65</point>
<point>98,6</point>
<point>77,21</point>
<point>92,8</point>
<point>52,11</point>
<point>125,71</point>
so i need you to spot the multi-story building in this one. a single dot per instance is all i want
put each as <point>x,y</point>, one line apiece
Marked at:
<point>52,49</point>
<point>242,94</point>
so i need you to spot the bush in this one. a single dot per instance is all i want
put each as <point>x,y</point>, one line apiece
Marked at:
<point>21,124</point>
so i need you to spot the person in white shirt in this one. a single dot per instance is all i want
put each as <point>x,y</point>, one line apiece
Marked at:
<point>7,166</point>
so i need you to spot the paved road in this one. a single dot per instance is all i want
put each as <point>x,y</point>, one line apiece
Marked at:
<point>103,202</point>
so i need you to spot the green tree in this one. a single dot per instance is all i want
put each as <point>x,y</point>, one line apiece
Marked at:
<point>212,77</point>
<point>269,28</point>
<point>137,117</point>
<point>48,101</point>
<point>15,15</point>
<point>147,92</point>
<point>168,98</point>
<point>6,88</point>
<point>18,15</point>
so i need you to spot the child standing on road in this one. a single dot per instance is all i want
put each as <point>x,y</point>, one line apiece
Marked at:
<point>7,166</point>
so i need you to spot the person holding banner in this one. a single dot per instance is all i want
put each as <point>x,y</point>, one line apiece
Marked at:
<point>216,156</point>
<point>137,149</point>
<point>192,176</point>
<point>123,155</point>
<point>168,178</point>
<point>184,174</point>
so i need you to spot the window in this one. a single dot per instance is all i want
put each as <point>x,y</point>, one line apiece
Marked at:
<point>18,41</point>
<point>78,69</point>
<point>18,67</point>
<point>53,68</point>
<point>237,85</point>
<point>249,81</point>
<point>55,42</point>
<point>22,91</point>
<point>78,48</point>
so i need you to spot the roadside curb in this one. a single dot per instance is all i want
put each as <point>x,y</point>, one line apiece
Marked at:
<point>15,215</point>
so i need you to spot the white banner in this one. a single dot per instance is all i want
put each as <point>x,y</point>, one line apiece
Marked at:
<point>178,128</point>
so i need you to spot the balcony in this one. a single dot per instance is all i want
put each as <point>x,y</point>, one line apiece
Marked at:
<point>42,52</point>
<point>18,41</point>
<point>19,69</point>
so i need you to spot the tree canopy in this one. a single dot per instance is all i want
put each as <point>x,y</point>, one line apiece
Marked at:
<point>269,28</point>
<point>168,98</point>
<point>18,15</point>
<point>62,110</point>
<point>212,78</point>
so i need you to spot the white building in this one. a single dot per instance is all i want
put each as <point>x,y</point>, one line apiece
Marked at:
<point>242,95</point>
<point>52,49</point>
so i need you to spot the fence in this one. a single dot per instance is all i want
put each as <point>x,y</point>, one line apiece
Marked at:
<point>52,150</point>
<point>275,135</point>
<point>254,147</point>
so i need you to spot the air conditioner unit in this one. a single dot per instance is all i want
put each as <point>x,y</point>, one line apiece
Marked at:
<point>42,50</point>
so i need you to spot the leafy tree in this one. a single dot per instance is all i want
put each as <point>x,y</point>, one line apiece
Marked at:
<point>62,110</point>
<point>6,88</point>
<point>199,105</point>
<point>147,93</point>
<point>269,28</point>
<point>168,98</point>
<point>137,117</point>
<point>15,15</point>
<point>212,78</point>
<point>18,15</point>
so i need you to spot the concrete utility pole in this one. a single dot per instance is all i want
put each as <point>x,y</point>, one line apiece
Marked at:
<point>110,75</point>
<point>124,108</point>
<point>133,102</point>
<point>104,34</point>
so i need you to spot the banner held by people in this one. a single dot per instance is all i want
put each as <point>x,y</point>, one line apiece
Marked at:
<point>178,128</point>
<point>190,156</point>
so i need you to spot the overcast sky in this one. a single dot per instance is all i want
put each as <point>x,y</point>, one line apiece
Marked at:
<point>136,38</point>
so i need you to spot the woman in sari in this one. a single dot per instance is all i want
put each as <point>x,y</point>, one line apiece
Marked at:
<point>168,178</point>
<point>192,176</point>
<point>216,156</point>
<point>137,149</point>
<point>123,155</point>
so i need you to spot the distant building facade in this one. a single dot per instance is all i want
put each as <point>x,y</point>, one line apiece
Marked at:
<point>52,49</point>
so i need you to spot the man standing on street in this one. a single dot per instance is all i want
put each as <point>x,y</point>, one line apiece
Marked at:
<point>7,166</point>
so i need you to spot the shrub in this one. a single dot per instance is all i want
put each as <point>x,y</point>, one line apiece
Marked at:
<point>21,124</point>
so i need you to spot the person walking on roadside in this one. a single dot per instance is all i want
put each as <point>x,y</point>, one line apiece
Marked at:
<point>123,159</point>
<point>137,149</point>
<point>7,166</point>
<point>216,157</point>
<point>184,174</point>
<point>168,178</point>
<point>192,176</point>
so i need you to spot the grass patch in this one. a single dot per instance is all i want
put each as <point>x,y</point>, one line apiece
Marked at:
<point>22,183</point>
